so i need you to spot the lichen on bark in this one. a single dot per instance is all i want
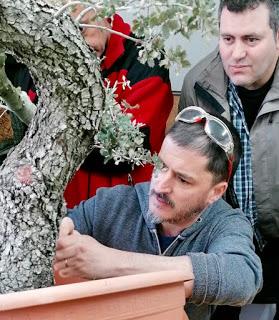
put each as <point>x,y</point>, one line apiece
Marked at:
<point>33,177</point>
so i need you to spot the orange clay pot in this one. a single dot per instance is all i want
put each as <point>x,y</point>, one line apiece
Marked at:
<point>152,296</point>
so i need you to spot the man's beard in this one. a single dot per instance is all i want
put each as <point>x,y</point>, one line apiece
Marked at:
<point>189,213</point>
<point>177,219</point>
<point>154,219</point>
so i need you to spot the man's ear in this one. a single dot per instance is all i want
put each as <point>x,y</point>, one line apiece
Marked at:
<point>277,40</point>
<point>217,191</point>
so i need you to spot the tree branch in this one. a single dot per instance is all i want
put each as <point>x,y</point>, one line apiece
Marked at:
<point>17,101</point>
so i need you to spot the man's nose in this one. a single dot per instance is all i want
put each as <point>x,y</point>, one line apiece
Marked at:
<point>238,50</point>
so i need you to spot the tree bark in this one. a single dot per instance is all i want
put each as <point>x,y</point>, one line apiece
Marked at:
<point>33,177</point>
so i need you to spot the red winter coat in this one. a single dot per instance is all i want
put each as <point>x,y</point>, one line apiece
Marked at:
<point>151,90</point>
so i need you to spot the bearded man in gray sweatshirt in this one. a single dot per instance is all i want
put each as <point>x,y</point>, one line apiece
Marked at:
<point>177,221</point>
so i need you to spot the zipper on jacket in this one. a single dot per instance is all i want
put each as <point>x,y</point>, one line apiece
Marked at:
<point>179,237</point>
<point>270,120</point>
<point>157,240</point>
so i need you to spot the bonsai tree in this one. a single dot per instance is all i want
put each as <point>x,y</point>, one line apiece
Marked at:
<point>75,113</point>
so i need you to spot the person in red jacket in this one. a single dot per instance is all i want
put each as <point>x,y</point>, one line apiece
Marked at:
<point>150,90</point>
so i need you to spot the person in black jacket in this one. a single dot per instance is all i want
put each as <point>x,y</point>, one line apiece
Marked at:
<point>12,129</point>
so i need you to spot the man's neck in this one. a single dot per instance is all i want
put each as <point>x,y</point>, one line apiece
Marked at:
<point>266,78</point>
<point>252,100</point>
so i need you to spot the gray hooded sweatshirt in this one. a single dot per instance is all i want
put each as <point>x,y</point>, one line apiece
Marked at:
<point>220,244</point>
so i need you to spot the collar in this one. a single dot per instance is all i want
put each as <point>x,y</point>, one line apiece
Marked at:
<point>270,103</point>
<point>212,76</point>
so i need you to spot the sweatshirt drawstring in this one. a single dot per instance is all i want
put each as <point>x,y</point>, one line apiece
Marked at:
<point>270,120</point>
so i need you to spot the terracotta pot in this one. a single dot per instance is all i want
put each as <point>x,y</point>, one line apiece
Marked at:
<point>152,296</point>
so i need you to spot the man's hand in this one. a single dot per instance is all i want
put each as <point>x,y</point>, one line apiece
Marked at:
<point>82,256</point>
<point>79,255</point>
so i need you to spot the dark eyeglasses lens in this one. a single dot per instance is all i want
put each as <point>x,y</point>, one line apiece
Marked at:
<point>216,130</point>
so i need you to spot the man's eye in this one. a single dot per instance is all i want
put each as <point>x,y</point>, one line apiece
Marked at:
<point>252,40</point>
<point>182,180</point>
<point>227,39</point>
<point>81,29</point>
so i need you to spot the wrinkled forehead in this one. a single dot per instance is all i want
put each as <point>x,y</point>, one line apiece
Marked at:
<point>245,23</point>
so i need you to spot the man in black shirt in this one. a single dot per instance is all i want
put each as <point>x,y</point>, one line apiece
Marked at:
<point>240,81</point>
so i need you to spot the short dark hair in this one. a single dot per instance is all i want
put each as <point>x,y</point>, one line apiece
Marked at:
<point>242,5</point>
<point>192,136</point>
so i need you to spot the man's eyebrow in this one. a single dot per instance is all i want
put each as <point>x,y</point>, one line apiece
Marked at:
<point>184,176</point>
<point>252,34</point>
<point>226,34</point>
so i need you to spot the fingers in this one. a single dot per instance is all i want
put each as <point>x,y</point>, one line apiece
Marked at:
<point>66,234</point>
<point>65,268</point>
<point>65,245</point>
<point>63,264</point>
<point>65,260</point>
<point>65,251</point>
<point>66,227</point>
<point>68,247</point>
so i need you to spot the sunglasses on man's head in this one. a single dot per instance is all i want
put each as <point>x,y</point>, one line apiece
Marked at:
<point>215,129</point>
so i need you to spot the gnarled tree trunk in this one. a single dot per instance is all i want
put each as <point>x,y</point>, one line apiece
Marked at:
<point>33,177</point>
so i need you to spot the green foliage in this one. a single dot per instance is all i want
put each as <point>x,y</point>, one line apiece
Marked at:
<point>157,21</point>
<point>161,20</point>
<point>119,138</point>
